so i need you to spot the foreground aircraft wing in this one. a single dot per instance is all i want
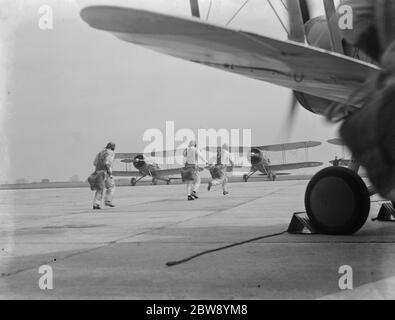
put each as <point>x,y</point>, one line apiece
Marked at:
<point>290,146</point>
<point>126,174</point>
<point>286,63</point>
<point>293,166</point>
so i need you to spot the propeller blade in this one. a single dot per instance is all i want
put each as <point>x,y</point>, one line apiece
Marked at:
<point>299,14</point>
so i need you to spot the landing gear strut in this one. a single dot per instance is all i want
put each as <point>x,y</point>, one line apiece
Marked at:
<point>134,181</point>
<point>248,175</point>
<point>337,201</point>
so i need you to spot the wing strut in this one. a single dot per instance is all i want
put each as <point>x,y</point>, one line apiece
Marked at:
<point>296,16</point>
<point>336,39</point>
<point>195,8</point>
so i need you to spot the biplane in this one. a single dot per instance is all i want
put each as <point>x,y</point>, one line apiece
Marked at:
<point>343,161</point>
<point>146,167</point>
<point>260,162</point>
<point>316,63</point>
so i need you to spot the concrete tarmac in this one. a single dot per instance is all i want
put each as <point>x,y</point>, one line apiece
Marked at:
<point>122,252</point>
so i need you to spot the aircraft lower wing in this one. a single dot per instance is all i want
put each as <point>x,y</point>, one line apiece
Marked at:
<point>126,174</point>
<point>286,63</point>
<point>342,162</point>
<point>277,173</point>
<point>293,166</point>
<point>168,172</point>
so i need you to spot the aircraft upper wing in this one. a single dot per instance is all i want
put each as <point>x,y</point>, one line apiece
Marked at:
<point>294,166</point>
<point>273,148</point>
<point>126,174</point>
<point>127,155</point>
<point>290,64</point>
<point>290,146</point>
<point>132,155</point>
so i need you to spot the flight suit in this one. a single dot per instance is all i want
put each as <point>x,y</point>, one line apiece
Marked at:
<point>224,160</point>
<point>192,156</point>
<point>103,163</point>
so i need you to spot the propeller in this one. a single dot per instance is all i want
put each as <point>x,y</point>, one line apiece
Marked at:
<point>299,13</point>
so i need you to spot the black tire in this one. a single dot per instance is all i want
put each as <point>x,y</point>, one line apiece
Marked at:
<point>133,181</point>
<point>245,178</point>
<point>337,201</point>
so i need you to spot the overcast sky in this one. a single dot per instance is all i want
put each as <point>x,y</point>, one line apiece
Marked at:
<point>72,89</point>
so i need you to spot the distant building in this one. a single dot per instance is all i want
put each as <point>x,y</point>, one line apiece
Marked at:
<point>75,178</point>
<point>45,181</point>
<point>21,181</point>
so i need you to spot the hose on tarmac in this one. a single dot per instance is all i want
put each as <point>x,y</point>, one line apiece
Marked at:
<point>173,263</point>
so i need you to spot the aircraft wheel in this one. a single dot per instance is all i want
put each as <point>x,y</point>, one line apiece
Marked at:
<point>154,182</point>
<point>274,177</point>
<point>337,201</point>
<point>133,181</point>
<point>168,182</point>
<point>245,177</point>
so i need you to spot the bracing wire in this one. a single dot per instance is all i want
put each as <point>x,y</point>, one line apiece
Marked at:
<point>285,6</point>
<point>278,17</point>
<point>237,12</point>
<point>209,9</point>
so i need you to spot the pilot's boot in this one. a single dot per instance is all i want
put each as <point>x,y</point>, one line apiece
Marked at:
<point>96,207</point>
<point>190,198</point>
<point>194,195</point>
<point>109,204</point>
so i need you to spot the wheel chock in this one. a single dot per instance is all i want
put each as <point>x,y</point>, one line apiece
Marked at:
<point>301,224</point>
<point>386,213</point>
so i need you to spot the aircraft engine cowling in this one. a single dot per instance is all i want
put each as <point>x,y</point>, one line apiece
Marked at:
<point>139,162</point>
<point>256,156</point>
<point>317,35</point>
